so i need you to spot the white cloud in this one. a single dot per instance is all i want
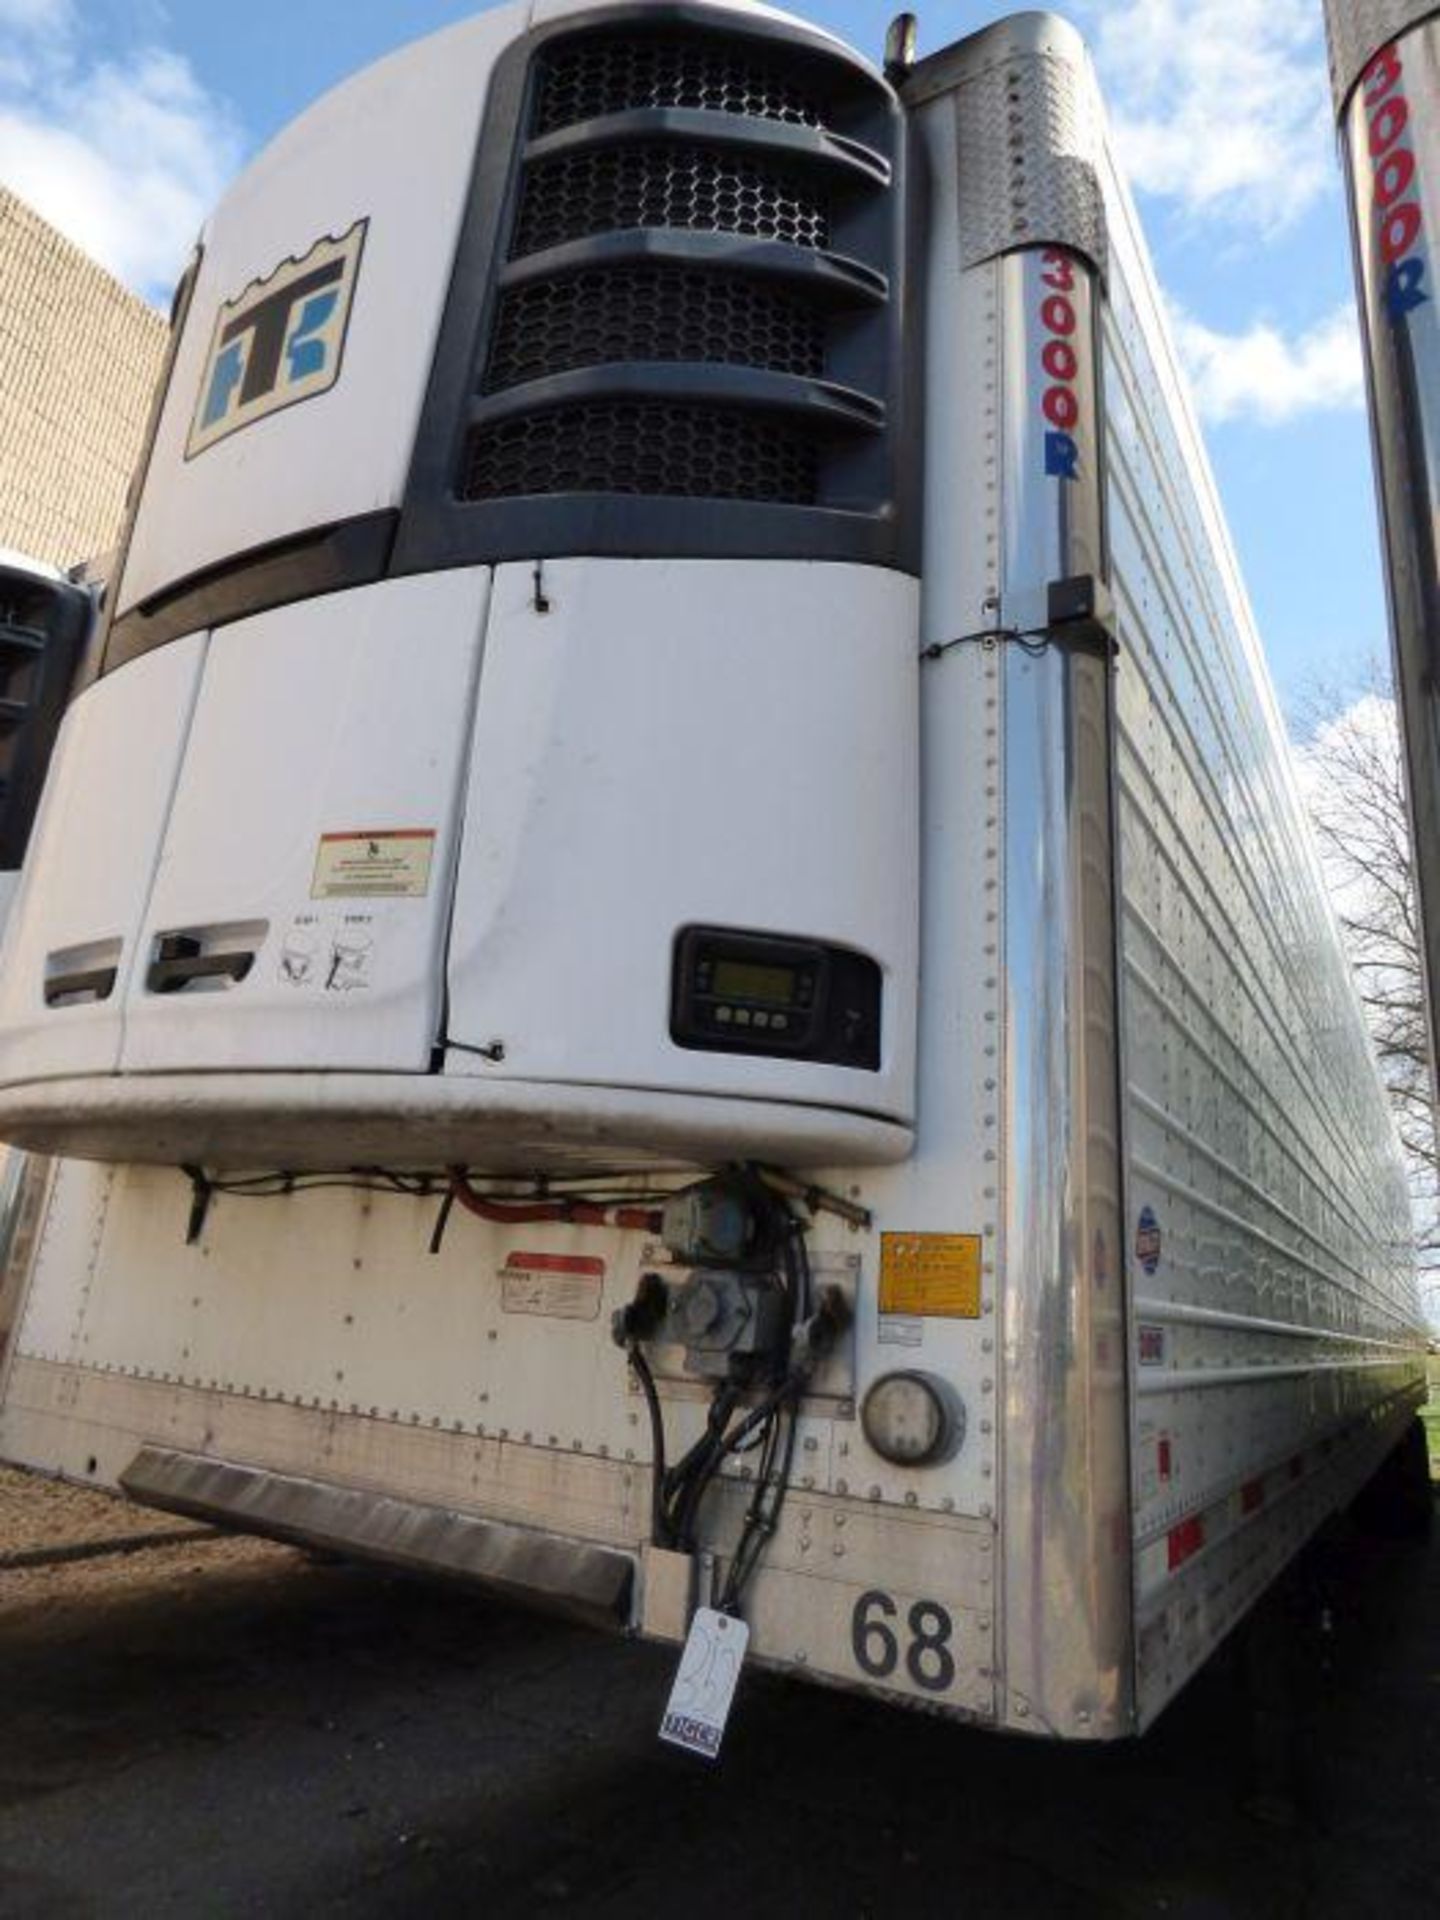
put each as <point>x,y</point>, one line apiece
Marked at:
<point>126,156</point>
<point>1265,377</point>
<point>36,16</point>
<point>1221,105</point>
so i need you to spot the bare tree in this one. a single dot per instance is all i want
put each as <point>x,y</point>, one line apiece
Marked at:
<point>1353,778</point>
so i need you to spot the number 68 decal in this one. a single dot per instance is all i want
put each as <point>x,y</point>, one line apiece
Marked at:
<point>876,1644</point>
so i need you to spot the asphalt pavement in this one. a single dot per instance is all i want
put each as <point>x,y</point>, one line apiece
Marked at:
<point>212,1727</point>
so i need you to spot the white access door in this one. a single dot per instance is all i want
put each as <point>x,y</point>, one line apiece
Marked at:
<point>301,902</point>
<point>662,744</point>
<point>73,931</point>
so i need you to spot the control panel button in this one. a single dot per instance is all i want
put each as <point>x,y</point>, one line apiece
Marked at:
<point>724,1015</point>
<point>742,1016</point>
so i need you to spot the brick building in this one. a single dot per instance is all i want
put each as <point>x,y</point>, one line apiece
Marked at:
<point>79,357</point>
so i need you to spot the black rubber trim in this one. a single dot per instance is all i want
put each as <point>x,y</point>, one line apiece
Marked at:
<point>605,524</point>
<point>349,553</point>
<point>755,389</point>
<point>701,126</point>
<point>97,653</point>
<point>836,281</point>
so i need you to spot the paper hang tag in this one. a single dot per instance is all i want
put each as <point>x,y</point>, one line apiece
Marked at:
<point>705,1685</point>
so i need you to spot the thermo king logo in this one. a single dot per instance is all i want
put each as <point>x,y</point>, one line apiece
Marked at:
<point>278,342</point>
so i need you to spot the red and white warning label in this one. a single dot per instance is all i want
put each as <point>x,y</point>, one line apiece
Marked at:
<point>557,1286</point>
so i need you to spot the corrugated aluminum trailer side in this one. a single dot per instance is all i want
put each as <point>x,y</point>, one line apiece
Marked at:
<point>1132,1233</point>
<point>1276,1341</point>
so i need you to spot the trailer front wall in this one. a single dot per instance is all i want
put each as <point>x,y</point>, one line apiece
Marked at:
<point>1275,1334</point>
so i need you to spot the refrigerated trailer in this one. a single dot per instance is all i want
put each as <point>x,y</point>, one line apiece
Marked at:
<point>671,960</point>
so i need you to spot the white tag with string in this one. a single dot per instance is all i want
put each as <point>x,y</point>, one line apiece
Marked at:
<point>705,1685</point>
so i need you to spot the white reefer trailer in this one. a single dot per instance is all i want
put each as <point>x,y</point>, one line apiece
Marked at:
<point>671,957</point>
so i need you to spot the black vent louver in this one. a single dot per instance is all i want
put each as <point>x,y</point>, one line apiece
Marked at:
<point>676,319</point>
<point>43,628</point>
<point>600,74</point>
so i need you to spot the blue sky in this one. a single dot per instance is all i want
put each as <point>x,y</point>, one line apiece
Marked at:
<point>121,120</point>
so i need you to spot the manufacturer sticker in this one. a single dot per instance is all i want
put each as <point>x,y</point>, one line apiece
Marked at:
<point>704,1688</point>
<point>936,1275</point>
<point>279,341</point>
<point>1147,1240</point>
<point>898,1331</point>
<point>555,1286</point>
<point>1152,1346</point>
<point>390,863</point>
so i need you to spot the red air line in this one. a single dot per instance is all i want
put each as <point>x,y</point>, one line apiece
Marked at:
<point>577,1213</point>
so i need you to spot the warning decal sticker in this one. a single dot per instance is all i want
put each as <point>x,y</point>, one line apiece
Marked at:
<point>557,1286</point>
<point>934,1274</point>
<point>393,863</point>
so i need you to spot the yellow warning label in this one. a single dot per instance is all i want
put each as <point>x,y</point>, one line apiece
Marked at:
<point>931,1273</point>
<point>370,866</point>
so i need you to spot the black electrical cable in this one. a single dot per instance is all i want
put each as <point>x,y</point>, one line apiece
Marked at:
<point>720,1409</point>
<point>422,1186</point>
<point>781,1410</point>
<point>442,1220</point>
<point>767,1428</point>
<point>707,1456</point>
<point>1031,640</point>
<point>659,1521</point>
<point>762,1518</point>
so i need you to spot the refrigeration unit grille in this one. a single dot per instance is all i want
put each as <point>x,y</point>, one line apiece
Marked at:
<point>638,448</point>
<point>662,184</point>
<point>652,313</point>
<point>689,289</point>
<point>587,79</point>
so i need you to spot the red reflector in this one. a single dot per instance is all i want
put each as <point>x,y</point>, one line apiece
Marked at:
<point>1252,1495</point>
<point>554,1263</point>
<point>1162,1454</point>
<point>1185,1540</point>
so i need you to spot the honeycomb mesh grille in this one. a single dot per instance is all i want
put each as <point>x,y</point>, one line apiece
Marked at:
<point>642,447</point>
<point>640,298</point>
<point>616,73</point>
<point>660,184</point>
<point>652,313</point>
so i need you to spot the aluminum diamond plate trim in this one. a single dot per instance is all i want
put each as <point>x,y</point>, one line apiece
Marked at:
<point>1359,28</point>
<point>1030,138</point>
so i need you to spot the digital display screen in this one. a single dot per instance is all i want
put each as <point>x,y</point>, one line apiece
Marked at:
<point>743,980</point>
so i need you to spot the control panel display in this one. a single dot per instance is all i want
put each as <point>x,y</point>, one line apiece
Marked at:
<point>742,992</point>
<point>743,980</point>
